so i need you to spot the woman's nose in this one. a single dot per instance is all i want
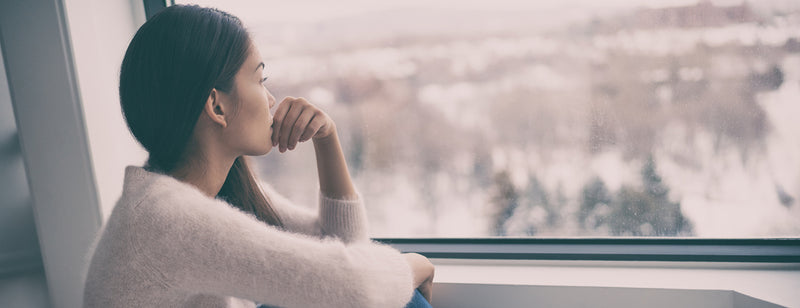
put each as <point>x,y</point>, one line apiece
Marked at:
<point>271,100</point>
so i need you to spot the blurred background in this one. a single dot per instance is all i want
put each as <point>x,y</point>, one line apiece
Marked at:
<point>531,118</point>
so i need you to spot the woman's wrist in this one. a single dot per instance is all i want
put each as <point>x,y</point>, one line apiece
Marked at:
<point>334,178</point>
<point>327,137</point>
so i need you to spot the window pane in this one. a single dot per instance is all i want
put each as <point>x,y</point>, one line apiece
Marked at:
<point>532,118</point>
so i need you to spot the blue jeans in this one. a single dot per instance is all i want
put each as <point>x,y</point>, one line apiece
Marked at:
<point>417,301</point>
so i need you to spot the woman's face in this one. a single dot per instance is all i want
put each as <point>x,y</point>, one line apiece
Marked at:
<point>250,129</point>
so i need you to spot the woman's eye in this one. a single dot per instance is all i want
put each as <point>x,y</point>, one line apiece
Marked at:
<point>264,79</point>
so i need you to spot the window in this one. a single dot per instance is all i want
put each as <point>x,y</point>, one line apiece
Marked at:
<point>521,118</point>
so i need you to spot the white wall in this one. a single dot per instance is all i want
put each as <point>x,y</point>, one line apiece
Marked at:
<point>100,32</point>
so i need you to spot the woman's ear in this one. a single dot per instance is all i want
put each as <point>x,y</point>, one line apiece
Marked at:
<point>215,110</point>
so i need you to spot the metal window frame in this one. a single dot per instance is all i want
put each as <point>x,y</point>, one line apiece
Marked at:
<point>780,250</point>
<point>769,250</point>
<point>151,7</point>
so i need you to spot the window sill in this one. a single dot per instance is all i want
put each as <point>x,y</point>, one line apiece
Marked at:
<point>517,283</point>
<point>512,296</point>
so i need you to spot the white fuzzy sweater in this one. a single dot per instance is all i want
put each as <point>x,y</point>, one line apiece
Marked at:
<point>166,244</point>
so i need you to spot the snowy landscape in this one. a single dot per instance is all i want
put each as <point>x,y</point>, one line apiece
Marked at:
<point>671,120</point>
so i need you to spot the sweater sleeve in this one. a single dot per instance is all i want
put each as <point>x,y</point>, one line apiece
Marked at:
<point>344,219</point>
<point>211,247</point>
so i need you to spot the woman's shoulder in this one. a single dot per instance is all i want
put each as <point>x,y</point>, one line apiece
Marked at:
<point>140,210</point>
<point>155,193</point>
<point>153,206</point>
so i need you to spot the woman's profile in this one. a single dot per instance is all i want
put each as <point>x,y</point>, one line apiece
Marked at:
<point>194,227</point>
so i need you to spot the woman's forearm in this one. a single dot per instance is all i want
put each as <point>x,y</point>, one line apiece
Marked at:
<point>334,178</point>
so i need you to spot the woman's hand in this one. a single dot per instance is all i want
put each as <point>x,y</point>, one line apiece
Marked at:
<point>297,120</point>
<point>423,271</point>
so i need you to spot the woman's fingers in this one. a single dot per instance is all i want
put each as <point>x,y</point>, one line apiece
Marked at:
<point>300,127</point>
<point>313,127</point>
<point>278,118</point>
<point>288,123</point>
<point>296,120</point>
<point>426,289</point>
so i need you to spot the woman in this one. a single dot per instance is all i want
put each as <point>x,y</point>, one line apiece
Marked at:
<point>193,228</point>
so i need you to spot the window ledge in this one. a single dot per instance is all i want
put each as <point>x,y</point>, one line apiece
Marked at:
<point>513,296</point>
<point>564,282</point>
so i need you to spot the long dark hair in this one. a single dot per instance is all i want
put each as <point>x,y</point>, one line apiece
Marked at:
<point>172,63</point>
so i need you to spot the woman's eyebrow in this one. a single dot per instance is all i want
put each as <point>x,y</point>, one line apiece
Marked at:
<point>259,65</point>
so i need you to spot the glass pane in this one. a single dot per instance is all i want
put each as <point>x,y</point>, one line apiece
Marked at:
<point>534,118</point>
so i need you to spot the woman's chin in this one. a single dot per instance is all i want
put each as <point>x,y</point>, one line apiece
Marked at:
<point>263,150</point>
<point>268,149</point>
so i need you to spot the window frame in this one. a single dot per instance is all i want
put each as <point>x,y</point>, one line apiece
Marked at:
<point>770,250</point>
<point>761,250</point>
<point>151,7</point>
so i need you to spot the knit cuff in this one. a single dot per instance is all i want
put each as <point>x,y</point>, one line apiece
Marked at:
<point>345,219</point>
